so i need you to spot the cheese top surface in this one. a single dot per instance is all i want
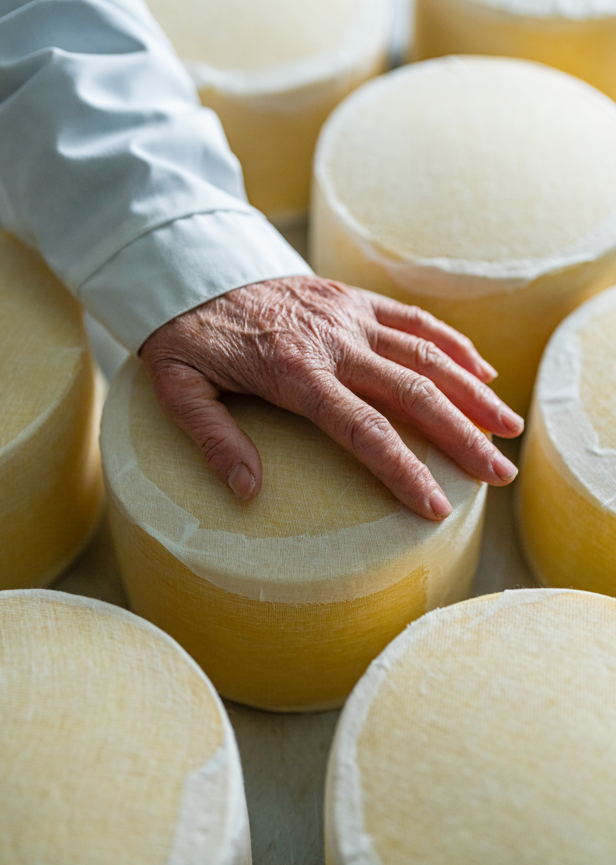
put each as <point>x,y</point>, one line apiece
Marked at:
<point>42,340</point>
<point>576,398</point>
<point>484,733</point>
<point>104,721</point>
<point>505,165</point>
<point>311,485</point>
<point>320,518</point>
<point>254,34</point>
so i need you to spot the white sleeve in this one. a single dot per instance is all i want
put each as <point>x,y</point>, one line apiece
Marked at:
<point>114,172</point>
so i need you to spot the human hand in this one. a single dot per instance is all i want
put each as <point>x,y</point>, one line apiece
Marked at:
<point>316,347</point>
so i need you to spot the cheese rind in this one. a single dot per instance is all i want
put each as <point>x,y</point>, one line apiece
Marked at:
<point>567,490</point>
<point>113,737</point>
<point>473,734</point>
<point>273,70</point>
<point>50,475</point>
<point>284,600</point>
<point>577,36</point>
<point>445,184</point>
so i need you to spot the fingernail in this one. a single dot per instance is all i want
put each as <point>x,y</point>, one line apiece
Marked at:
<point>439,504</point>
<point>511,420</point>
<point>503,467</point>
<point>489,369</point>
<point>241,481</point>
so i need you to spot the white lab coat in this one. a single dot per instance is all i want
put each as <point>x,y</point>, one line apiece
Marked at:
<point>110,167</point>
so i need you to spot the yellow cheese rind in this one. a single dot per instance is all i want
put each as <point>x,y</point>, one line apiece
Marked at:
<point>445,184</point>
<point>566,508</point>
<point>577,37</point>
<point>114,746</point>
<point>482,734</point>
<point>273,70</point>
<point>284,601</point>
<point>50,475</point>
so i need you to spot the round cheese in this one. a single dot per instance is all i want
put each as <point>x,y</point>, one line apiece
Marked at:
<point>481,189</point>
<point>577,36</point>
<point>567,488</point>
<point>483,734</point>
<point>284,600</point>
<point>113,744</point>
<point>273,70</point>
<point>50,477</point>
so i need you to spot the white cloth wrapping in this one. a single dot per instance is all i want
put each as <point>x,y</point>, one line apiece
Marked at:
<point>114,172</point>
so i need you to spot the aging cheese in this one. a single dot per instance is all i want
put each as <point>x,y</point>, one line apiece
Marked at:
<point>273,70</point>
<point>567,487</point>
<point>577,36</point>
<point>114,746</point>
<point>50,477</point>
<point>483,734</point>
<point>285,600</point>
<point>481,189</point>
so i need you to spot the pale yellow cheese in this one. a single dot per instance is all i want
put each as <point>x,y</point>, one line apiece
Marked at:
<point>50,477</point>
<point>567,488</point>
<point>483,734</point>
<point>481,189</point>
<point>285,600</point>
<point>577,36</point>
<point>114,747</point>
<point>273,70</point>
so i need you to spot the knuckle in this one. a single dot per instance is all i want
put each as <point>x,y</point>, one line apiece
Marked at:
<point>418,394</point>
<point>428,357</point>
<point>415,314</point>
<point>366,429</point>
<point>476,444</point>
<point>171,381</point>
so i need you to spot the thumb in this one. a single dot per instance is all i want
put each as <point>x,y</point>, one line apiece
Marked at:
<point>191,401</point>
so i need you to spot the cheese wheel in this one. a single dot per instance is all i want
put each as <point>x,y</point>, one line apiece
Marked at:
<point>577,36</point>
<point>566,504</point>
<point>284,600</point>
<point>481,189</point>
<point>483,734</point>
<point>273,70</point>
<point>114,746</point>
<point>50,477</point>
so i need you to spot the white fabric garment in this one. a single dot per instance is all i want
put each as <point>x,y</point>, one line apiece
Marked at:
<point>114,172</point>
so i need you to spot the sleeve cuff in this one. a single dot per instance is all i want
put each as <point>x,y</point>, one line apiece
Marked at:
<point>181,265</point>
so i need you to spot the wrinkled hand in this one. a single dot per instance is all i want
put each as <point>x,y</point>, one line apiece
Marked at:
<point>316,347</point>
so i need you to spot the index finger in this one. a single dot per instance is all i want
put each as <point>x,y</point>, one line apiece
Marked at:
<point>416,321</point>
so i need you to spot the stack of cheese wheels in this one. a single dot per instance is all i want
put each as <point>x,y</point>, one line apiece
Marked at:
<point>567,490</point>
<point>483,734</point>
<point>273,70</point>
<point>50,477</point>
<point>285,600</point>
<point>113,744</point>
<point>577,36</point>
<point>482,189</point>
